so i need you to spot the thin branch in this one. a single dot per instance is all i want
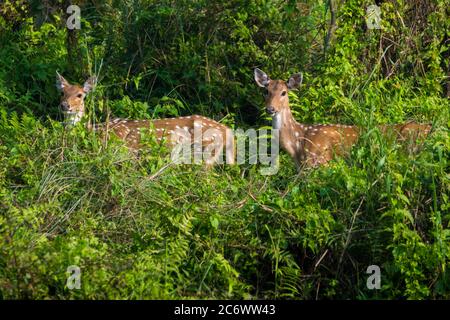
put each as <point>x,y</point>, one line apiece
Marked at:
<point>349,234</point>
<point>332,27</point>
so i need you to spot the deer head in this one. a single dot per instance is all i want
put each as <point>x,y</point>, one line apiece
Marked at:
<point>72,100</point>
<point>276,97</point>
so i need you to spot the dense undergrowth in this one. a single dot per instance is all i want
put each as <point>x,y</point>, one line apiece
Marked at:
<point>140,227</point>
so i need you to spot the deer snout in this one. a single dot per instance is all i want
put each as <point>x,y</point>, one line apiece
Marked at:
<point>65,106</point>
<point>270,110</point>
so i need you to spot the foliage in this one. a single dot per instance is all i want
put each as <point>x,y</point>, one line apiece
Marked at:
<point>140,227</point>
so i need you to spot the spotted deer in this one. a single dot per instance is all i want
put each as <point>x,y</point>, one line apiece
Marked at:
<point>316,144</point>
<point>202,133</point>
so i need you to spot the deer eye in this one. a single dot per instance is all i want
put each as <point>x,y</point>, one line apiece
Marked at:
<point>283,93</point>
<point>80,95</point>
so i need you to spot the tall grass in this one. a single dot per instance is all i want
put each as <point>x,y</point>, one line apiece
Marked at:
<point>138,226</point>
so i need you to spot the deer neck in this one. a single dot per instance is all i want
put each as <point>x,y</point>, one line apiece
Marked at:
<point>291,132</point>
<point>73,118</point>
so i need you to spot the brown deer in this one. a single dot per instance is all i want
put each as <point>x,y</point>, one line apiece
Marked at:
<point>315,144</point>
<point>204,133</point>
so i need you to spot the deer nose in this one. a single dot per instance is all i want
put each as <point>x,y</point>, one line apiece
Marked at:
<point>65,105</point>
<point>270,110</point>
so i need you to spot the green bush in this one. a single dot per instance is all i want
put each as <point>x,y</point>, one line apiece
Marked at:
<point>140,227</point>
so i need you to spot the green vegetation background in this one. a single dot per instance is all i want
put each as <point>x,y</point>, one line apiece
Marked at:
<point>143,228</point>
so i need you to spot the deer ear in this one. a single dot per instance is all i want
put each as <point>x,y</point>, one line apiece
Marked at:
<point>61,83</point>
<point>89,84</point>
<point>295,81</point>
<point>261,78</point>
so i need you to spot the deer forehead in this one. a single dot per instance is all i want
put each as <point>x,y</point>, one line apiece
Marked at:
<point>277,86</point>
<point>72,91</point>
